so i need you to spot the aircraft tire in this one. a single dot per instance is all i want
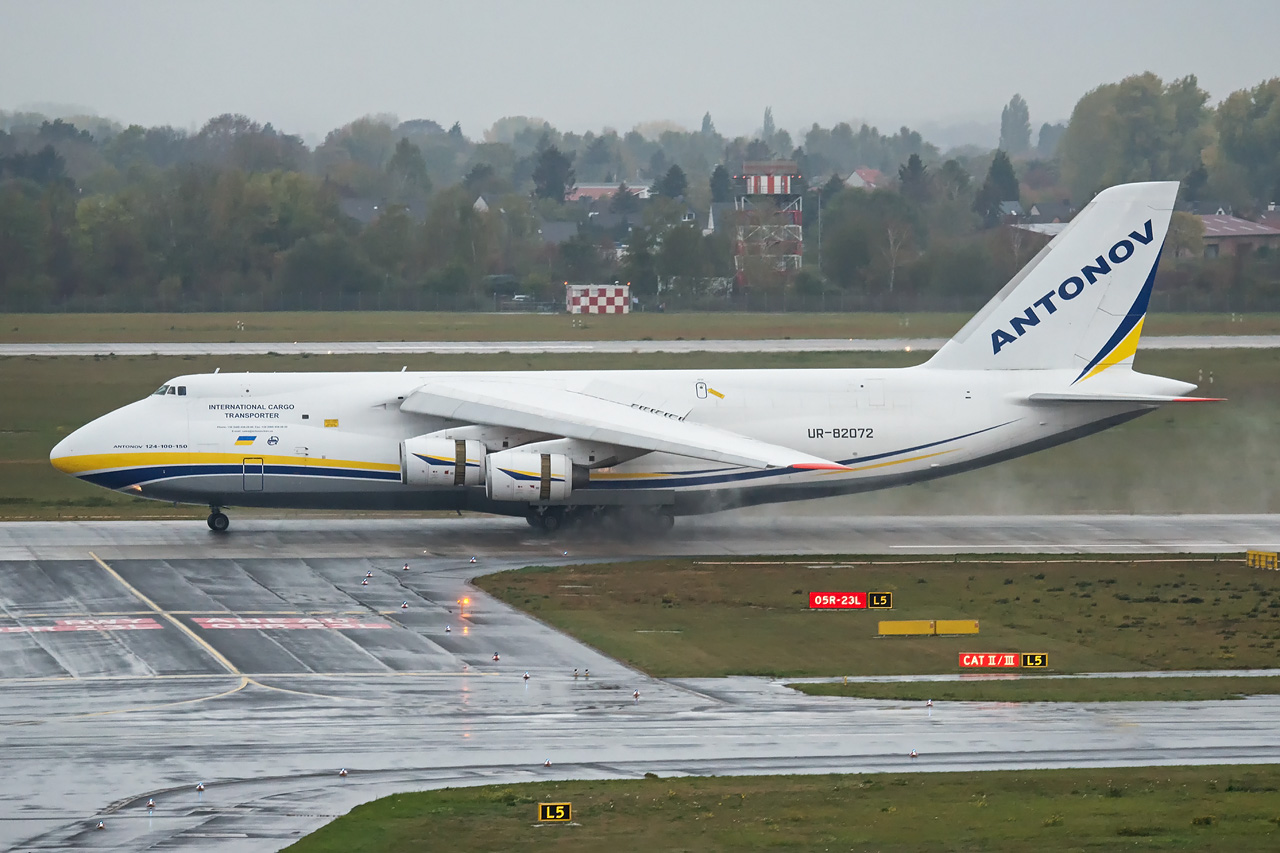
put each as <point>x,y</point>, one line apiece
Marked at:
<point>552,519</point>
<point>664,520</point>
<point>218,522</point>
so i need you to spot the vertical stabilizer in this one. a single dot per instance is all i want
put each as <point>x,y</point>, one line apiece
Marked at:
<point>1081,301</point>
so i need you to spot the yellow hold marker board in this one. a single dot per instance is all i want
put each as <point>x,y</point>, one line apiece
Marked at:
<point>1261,560</point>
<point>927,627</point>
<point>555,812</point>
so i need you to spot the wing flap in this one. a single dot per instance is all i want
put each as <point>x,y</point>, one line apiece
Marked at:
<point>558,411</point>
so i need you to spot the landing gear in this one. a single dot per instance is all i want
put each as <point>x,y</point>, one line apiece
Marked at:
<point>218,521</point>
<point>602,520</point>
<point>548,519</point>
<point>552,519</point>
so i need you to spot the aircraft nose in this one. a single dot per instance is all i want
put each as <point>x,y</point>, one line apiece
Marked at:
<point>63,454</point>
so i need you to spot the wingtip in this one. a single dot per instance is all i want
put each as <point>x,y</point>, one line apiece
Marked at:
<point>821,466</point>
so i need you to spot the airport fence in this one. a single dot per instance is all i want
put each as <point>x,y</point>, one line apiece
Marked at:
<point>771,302</point>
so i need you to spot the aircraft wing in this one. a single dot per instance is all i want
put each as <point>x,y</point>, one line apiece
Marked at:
<point>576,415</point>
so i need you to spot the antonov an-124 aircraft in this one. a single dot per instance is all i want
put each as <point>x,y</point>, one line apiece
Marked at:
<point>1048,360</point>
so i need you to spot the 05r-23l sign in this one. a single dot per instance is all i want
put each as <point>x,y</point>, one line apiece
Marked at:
<point>851,600</point>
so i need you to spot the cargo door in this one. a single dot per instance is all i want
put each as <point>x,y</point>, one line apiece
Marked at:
<point>251,474</point>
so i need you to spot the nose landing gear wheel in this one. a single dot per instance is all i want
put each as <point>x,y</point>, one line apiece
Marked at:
<point>218,521</point>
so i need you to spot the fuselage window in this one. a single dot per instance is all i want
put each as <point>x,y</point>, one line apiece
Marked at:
<point>159,392</point>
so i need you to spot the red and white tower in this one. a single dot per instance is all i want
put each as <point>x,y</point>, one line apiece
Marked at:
<point>769,207</point>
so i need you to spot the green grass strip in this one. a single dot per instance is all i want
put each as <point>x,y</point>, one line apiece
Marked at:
<point>1150,808</point>
<point>1177,689</point>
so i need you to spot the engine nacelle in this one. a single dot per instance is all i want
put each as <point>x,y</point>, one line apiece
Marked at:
<point>441,462</point>
<point>522,475</point>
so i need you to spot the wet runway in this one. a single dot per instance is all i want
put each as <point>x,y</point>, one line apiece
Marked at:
<point>1149,342</point>
<point>138,659</point>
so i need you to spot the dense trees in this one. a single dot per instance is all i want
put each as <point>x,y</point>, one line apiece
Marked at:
<point>1139,129</point>
<point>386,213</point>
<point>1015,127</point>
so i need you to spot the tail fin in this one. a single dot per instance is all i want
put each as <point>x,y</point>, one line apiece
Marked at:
<point>1081,301</point>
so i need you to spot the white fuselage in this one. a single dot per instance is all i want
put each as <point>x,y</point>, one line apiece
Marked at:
<point>332,440</point>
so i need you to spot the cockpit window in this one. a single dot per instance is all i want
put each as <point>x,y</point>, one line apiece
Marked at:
<point>161,391</point>
<point>173,389</point>
<point>182,390</point>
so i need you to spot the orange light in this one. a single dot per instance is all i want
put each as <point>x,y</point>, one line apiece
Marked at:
<point>466,601</point>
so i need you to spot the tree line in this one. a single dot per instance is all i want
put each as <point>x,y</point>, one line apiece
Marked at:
<point>239,215</point>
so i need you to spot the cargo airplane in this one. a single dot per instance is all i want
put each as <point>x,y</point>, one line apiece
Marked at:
<point>1048,360</point>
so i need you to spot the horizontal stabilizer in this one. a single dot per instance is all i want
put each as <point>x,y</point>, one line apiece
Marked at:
<point>1068,397</point>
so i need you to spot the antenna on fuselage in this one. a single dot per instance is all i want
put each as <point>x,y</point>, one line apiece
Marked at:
<point>403,369</point>
<point>216,369</point>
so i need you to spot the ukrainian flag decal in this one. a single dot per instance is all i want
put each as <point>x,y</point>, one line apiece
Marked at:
<point>246,439</point>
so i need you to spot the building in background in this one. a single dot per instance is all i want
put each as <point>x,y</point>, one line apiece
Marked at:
<point>768,208</point>
<point>1230,235</point>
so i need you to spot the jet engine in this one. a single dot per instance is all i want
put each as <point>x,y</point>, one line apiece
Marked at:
<point>441,462</point>
<point>521,475</point>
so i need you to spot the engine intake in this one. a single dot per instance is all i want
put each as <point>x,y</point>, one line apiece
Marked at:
<point>521,475</point>
<point>441,462</point>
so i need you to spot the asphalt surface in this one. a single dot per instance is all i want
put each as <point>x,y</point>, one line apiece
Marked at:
<point>137,660</point>
<point>1151,342</point>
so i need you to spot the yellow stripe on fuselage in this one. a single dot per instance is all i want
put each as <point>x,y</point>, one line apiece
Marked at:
<point>111,461</point>
<point>894,462</point>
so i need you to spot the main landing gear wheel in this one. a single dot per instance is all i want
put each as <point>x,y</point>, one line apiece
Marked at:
<point>552,519</point>
<point>218,521</point>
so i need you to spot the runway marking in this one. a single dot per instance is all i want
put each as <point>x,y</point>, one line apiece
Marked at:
<point>1141,546</point>
<point>843,564</point>
<point>177,623</point>
<point>60,625</point>
<point>210,613</point>
<point>18,681</point>
<point>263,623</point>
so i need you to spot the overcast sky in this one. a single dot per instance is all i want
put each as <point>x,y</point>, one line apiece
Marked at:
<point>310,65</point>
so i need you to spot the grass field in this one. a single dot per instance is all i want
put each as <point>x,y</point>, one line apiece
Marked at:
<point>1161,808</point>
<point>1030,689</point>
<point>1201,458</point>
<point>690,618</point>
<point>420,326</point>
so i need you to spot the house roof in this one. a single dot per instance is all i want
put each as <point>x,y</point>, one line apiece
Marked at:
<point>1052,229</point>
<point>596,192</point>
<point>1010,208</point>
<point>1050,211</point>
<point>1216,225</point>
<point>865,177</point>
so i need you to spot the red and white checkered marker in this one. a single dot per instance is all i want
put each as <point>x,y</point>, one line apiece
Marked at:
<point>598,299</point>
